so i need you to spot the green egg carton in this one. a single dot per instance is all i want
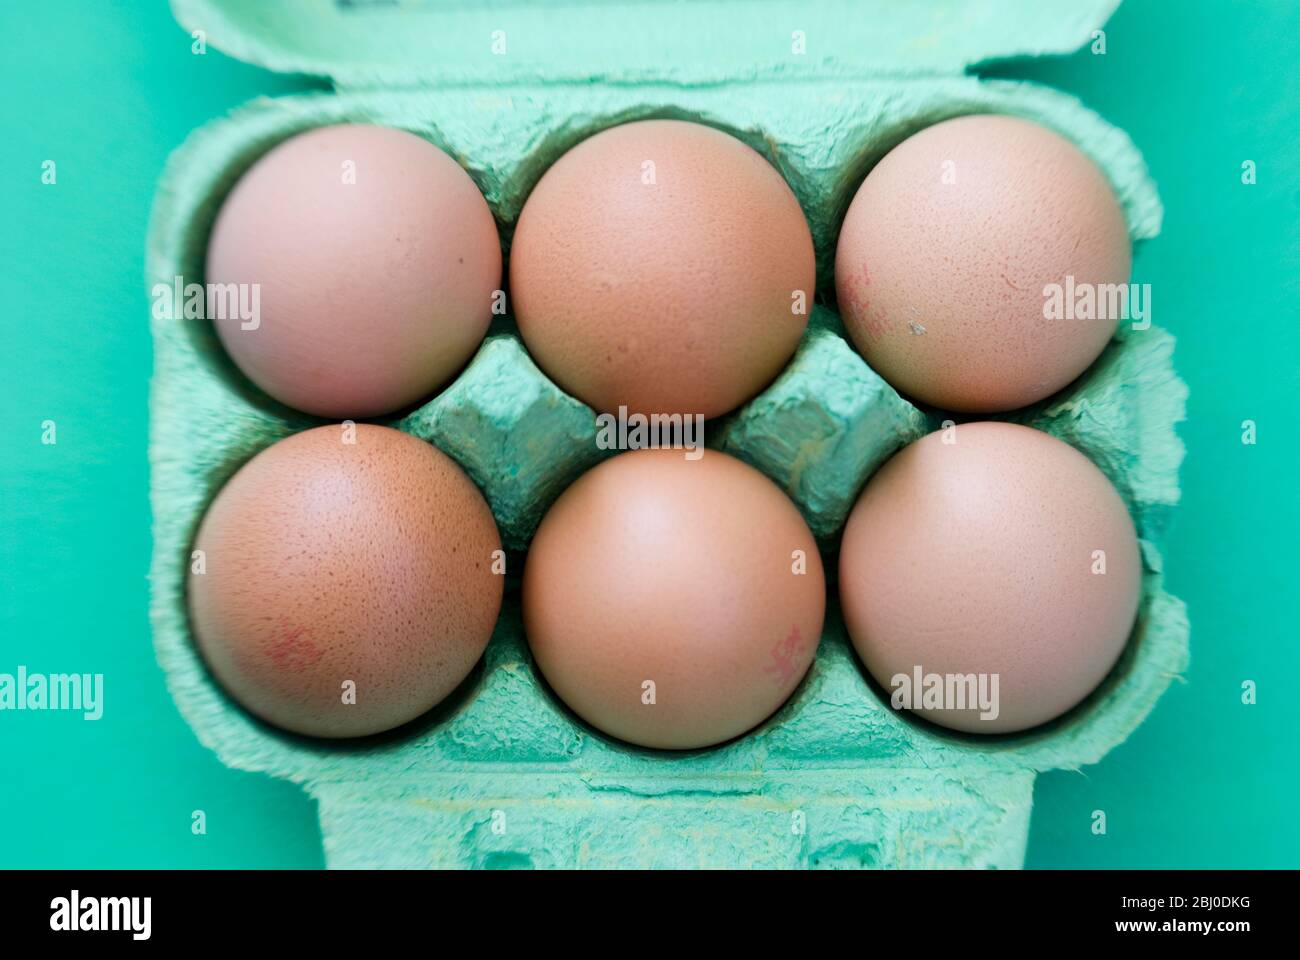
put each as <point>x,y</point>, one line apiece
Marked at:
<point>502,774</point>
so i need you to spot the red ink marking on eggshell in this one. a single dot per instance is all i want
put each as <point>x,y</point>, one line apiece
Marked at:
<point>290,647</point>
<point>783,657</point>
<point>877,323</point>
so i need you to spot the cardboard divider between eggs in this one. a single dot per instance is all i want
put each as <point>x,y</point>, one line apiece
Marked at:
<point>877,787</point>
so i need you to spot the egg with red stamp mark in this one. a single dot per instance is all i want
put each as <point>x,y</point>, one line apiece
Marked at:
<point>345,580</point>
<point>673,602</point>
<point>954,250</point>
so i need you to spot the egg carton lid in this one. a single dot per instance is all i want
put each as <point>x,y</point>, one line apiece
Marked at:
<point>369,43</point>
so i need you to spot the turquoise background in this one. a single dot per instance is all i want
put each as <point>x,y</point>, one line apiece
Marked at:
<point>107,89</point>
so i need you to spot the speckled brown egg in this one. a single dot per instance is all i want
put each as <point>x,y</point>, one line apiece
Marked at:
<point>332,568</point>
<point>673,603</point>
<point>663,266</point>
<point>950,247</point>
<point>376,259</point>
<point>991,550</point>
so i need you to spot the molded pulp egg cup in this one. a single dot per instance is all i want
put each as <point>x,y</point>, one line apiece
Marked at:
<point>502,774</point>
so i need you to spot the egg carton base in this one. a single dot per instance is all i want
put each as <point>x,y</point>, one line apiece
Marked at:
<point>827,819</point>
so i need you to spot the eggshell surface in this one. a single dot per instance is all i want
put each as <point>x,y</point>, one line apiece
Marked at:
<point>947,251</point>
<point>1006,553</point>
<point>663,266</point>
<point>327,563</point>
<point>376,259</point>
<point>673,603</point>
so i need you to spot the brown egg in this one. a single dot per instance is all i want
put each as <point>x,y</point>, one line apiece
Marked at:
<point>663,266</point>
<point>946,252</point>
<point>329,564</point>
<point>983,558</point>
<point>376,259</point>
<point>673,603</point>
